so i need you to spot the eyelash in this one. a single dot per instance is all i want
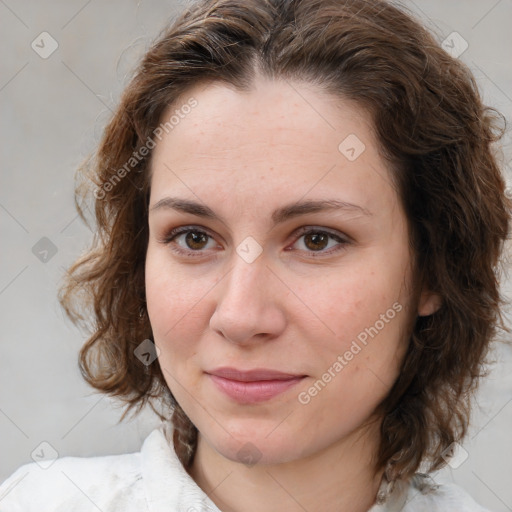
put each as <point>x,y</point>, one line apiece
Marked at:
<point>169,238</point>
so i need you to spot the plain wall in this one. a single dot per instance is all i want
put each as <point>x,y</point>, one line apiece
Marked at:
<point>53,111</point>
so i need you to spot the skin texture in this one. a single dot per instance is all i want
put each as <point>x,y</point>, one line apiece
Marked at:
<point>293,309</point>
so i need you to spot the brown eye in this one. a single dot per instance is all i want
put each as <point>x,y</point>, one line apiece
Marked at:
<point>316,241</point>
<point>196,240</point>
<point>190,241</point>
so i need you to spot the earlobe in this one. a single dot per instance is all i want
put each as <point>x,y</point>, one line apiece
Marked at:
<point>429,303</point>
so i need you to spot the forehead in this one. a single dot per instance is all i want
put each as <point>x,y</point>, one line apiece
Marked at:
<point>279,137</point>
<point>271,112</point>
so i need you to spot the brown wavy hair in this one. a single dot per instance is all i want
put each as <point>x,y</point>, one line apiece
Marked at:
<point>432,128</point>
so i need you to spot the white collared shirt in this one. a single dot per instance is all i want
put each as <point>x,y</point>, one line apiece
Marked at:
<point>154,480</point>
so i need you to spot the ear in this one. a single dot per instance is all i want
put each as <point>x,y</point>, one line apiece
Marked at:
<point>429,303</point>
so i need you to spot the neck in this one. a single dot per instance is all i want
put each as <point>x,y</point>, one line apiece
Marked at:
<point>341,478</point>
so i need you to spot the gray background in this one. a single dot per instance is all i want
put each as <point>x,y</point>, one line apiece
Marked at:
<point>53,111</point>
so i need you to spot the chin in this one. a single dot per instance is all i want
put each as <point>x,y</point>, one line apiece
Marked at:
<point>253,446</point>
<point>250,453</point>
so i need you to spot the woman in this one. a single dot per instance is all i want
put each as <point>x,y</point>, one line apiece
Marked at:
<point>299,225</point>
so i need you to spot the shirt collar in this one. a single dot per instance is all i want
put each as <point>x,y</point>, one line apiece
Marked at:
<point>168,486</point>
<point>166,483</point>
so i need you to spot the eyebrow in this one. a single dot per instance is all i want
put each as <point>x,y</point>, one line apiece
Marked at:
<point>278,216</point>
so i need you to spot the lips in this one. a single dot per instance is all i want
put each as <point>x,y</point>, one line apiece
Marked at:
<point>256,374</point>
<point>252,386</point>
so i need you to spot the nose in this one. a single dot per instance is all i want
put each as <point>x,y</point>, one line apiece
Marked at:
<point>249,308</point>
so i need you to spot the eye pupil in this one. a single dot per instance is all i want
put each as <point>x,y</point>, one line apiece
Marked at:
<point>319,240</point>
<point>194,239</point>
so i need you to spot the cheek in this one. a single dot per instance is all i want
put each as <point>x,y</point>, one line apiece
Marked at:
<point>350,301</point>
<point>174,308</point>
<point>363,316</point>
<point>353,369</point>
<point>175,304</point>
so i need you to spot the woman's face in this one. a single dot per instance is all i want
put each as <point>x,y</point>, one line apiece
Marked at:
<point>295,260</point>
